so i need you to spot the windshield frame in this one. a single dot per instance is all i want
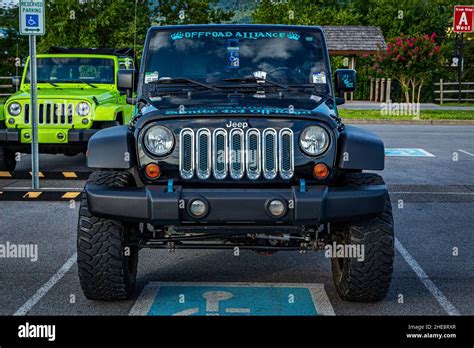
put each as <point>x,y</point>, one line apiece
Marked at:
<point>26,84</point>
<point>263,27</point>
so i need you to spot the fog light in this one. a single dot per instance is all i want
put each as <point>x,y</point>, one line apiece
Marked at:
<point>320,171</point>
<point>60,136</point>
<point>153,171</point>
<point>27,136</point>
<point>198,208</point>
<point>85,121</point>
<point>277,208</point>
<point>11,121</point>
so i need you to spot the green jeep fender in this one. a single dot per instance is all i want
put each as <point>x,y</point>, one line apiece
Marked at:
<point>2,112</point>
<point>111,111</point>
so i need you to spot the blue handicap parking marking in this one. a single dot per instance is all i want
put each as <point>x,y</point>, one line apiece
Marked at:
<point>232,299</point>
<point>32,20</point>
<point>407,152</point>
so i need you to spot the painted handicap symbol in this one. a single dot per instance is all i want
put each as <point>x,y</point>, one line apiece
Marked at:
<point>32,20</point>
<point>212,304</point>
<point>408,152</point>
<point>232,299</point>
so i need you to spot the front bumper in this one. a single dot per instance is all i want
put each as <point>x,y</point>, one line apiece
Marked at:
<point>48,136</point>
<point>156,204</point>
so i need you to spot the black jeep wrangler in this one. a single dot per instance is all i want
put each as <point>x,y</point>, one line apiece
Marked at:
<point>236,143</point>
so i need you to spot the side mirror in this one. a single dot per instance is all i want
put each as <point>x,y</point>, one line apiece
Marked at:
<point>340,101</point>
<point>346,80</point>
<point>126,79</point>
<point>16,81</point>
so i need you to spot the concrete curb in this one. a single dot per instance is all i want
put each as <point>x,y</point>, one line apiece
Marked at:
<point>410,122</point>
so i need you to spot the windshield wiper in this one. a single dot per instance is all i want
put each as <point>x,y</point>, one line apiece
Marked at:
<point>253,79</point>
<point>46,81</point>
<point>182,80</point>
<point>77,81</point>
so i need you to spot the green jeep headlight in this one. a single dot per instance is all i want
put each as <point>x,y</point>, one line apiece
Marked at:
<point>14,109</point>
<point>83,109</point>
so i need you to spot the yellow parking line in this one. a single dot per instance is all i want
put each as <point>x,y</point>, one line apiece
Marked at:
<point>32,194</point>
<point>5,175</point>
<point>69,175</point>
<point>70,195</point>
<point>40,174</point>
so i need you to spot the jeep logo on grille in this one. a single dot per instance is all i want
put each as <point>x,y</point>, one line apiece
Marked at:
<point>237,124</point>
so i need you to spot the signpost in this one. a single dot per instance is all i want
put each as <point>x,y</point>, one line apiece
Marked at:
<point>32,24</point>
<point>463,23</point>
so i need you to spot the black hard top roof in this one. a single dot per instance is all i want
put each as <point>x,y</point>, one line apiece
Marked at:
<point>119,52</point>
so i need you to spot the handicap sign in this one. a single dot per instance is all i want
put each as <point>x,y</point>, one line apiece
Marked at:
<point>32,20</point>
<point>407,152</point>
<point>32,17</point>
<point>232,299</point>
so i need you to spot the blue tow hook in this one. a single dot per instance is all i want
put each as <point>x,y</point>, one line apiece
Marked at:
<point>302,185</point>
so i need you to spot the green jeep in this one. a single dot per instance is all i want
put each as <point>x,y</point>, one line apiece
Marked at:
<point>78,94</point>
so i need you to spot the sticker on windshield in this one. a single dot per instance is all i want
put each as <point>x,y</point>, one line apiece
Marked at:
<point>260,76</point>
<point>237,34</point>
<point>319,77</point>
<point>151,76</point>
<point>233,60</point>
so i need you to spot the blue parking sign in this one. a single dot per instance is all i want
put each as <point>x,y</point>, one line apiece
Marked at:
<point>32,20</point>
<point>232,299</point>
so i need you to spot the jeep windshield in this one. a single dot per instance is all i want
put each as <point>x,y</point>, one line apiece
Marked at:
<point>262,58</point>
<point>75,70</point>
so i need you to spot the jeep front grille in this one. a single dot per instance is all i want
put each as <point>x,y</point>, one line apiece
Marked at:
<point>52,114</point>
<point>236,153</point>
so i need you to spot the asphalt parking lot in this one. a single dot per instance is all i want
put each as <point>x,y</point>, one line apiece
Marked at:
<point>433,203</point>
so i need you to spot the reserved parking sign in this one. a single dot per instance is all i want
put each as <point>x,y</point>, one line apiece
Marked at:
<point>32,17</point>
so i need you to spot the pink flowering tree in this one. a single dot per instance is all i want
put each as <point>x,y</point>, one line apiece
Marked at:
<point>409,60</point>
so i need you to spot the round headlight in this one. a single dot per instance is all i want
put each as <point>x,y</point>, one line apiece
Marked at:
<point>158,140</point>
<point>14,109</point>
<point>314,140</point>
<point>83,109</point>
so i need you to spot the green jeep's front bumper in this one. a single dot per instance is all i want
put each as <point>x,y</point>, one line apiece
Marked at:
<point>47,135</point>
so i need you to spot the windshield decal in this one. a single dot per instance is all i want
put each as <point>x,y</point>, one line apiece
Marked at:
<point>151,76</point>
<point>238,110</point>
<point>233,60</point>
<point>236,35</point>
<point>319,77</point>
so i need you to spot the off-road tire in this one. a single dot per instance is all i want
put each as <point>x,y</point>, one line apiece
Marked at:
<point>7,159</point>
<point>367,280</point>
<point>107,265</point>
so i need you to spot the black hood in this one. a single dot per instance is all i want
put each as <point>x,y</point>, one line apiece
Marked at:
<point>222,102</point>
<point>234,106</point>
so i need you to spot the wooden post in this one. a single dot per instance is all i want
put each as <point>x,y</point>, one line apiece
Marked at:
<point>376,97</point>
<point>440,91</point>
<point>371,93</point>
<point>388,91</point>
<point>382,89</point>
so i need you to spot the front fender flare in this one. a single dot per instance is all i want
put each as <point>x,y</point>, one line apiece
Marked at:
<point>112,148</point>
<point>360,149</point>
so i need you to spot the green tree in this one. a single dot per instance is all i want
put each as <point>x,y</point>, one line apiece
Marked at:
<point>96,23</point>
<point>306,12</point>
<point>190,12</point>
<point>410,60</point>
<point>13,47</point>
<point>409,17</point>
